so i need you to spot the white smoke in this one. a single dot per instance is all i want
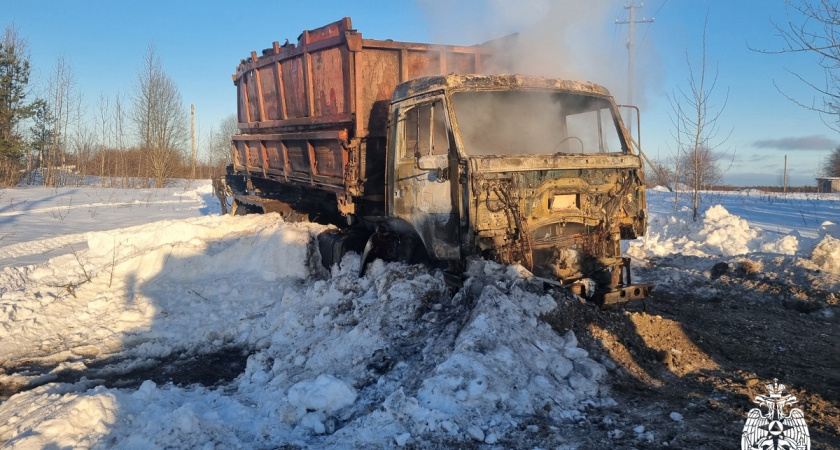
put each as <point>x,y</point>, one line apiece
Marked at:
<point>571,39</point>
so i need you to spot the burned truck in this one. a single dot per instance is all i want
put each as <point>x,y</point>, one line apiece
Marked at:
<point>414,153</point>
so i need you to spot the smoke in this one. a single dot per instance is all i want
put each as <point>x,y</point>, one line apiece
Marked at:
<point>570,39</point>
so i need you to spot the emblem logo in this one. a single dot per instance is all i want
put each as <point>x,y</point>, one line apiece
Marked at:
<point>775,430</point>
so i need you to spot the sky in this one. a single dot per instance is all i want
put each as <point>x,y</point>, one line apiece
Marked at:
<point>201,42</point>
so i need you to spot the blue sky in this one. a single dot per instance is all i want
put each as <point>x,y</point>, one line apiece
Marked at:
<point>201,42</point>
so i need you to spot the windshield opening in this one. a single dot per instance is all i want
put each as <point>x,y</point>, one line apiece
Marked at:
<point>534,122</point>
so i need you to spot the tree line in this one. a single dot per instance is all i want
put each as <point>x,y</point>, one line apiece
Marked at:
<point>139,139</point>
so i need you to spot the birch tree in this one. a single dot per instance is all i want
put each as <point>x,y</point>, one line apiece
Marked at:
<point>64,103</point>
<point>830,166</point>
<point>159,117</point>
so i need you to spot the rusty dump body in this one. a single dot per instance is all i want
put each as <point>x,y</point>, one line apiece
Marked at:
<point>315,115</point>
<point>373,137</point>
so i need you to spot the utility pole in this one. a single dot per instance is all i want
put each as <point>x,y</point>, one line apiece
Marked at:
<point>630,50</point>
<point>784,186</point>
<point>192,137</point>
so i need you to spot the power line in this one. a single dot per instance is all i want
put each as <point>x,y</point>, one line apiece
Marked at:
<point>659,9</point>
<point>644,36</point>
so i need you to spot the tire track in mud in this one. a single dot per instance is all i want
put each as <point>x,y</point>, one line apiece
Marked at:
<point>208,370</point>
<point>706,356</point>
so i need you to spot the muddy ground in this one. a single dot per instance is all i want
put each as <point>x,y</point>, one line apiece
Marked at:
<point>705,354</point>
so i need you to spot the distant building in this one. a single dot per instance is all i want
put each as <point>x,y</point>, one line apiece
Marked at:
<point>828,184</point>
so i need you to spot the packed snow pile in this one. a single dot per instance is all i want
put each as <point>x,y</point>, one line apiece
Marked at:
<point>334,360</point>
<point>826,254</point>
<point>717,233</point>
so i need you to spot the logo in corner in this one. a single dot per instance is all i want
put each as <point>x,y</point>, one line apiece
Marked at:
<point>775,430</point>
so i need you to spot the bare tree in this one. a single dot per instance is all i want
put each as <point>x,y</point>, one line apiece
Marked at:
<point>121,171</point>
<point>663,174</point>
<point>702,167</point>
<point>220,142</point>
<point>813,27</point>
<point>84,145</point>
<point>159,117</point>
<point>104,129</point>
<point>63,100</point>
<point>676,158</point>
<point>696,119</point>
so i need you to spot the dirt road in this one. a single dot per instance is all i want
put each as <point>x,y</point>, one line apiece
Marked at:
<point>706,356</point>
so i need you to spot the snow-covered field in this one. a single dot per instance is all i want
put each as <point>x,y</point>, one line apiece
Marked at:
<point>145,319</point>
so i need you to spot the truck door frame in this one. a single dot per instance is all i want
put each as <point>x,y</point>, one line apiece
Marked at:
<point>430,209</point>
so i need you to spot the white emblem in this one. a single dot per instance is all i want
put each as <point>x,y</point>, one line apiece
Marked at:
<point>775,430</point>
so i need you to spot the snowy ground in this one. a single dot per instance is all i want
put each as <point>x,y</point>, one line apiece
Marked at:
<point>795,235</point>
<point>143,318</point>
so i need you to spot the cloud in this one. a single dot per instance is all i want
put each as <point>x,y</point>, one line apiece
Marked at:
<point>813,142</point>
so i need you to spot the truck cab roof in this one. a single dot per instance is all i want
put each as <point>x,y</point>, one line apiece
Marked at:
<point>458,82</point>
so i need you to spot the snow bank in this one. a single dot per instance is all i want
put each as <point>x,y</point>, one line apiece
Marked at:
<point>505,365</point>
<point>38,223</point>
<point>335,360</point>
<point>51,415</point>
<point>794,251</point>
<point>826,254</point>
<point>717,233</point>
<point>149,279</point>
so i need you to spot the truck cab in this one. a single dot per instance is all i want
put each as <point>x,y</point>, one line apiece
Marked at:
<point>519,170</point>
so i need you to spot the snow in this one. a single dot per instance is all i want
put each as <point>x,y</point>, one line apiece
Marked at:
<point>100,284</point>
<point>738,224</point>
<point>826,255</point>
